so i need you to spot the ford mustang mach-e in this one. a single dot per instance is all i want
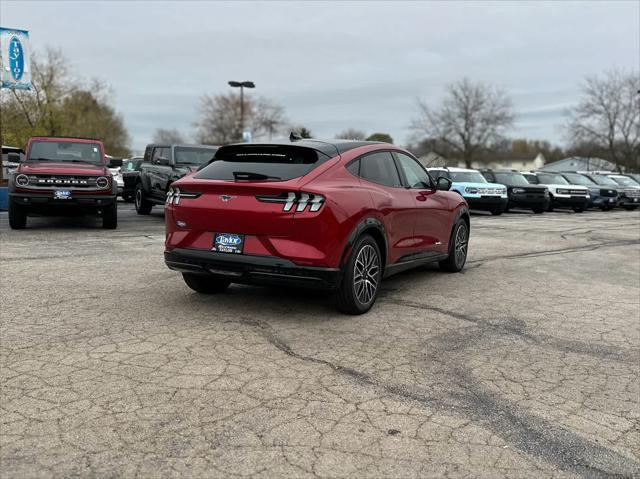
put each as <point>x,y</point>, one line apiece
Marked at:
<point>339,215</point>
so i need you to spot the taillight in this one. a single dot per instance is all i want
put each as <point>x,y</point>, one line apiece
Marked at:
<point>174,195</point>
<point>291,199</point>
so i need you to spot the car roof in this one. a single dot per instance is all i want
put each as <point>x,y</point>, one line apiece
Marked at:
<point>188,145</point>
<point>70,139</point>
<point>328,147</point>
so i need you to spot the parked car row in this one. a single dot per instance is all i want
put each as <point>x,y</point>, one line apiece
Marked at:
<point>498,191</point>
<point>340,215</point>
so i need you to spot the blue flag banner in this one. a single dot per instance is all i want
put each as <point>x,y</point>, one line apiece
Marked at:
<point>15,54</point>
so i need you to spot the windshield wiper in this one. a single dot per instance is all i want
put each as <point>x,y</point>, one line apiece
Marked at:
<point>247,175</point>
<point>40,159</point>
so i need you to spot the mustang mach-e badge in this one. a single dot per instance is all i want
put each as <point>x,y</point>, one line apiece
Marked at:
<point>227,198</point>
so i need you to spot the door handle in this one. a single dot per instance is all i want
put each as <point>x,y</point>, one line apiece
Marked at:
<point>421,198</point>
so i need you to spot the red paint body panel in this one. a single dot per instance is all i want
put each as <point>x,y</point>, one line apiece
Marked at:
<point>413,221</point>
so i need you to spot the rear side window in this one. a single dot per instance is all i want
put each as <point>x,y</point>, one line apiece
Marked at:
<point>380,168</point>
<point>261,163</point>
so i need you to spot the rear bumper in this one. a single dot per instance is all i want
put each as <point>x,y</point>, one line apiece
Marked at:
<point>489,203</point>
<point>252,269</point>
<point>46,204</point>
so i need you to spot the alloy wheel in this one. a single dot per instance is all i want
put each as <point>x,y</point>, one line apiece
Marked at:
<point>461,245</point>
<point>366,274</point>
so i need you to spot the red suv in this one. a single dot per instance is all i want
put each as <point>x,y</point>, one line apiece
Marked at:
<point>61,176</point>
<point>339,215</point>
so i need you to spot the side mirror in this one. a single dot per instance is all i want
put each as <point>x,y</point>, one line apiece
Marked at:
<point>13,157</point>
<point>161,160</point>
<point>115,162</point>
<point>443,183</point>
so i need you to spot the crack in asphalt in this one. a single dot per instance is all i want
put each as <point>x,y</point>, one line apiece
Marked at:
<point>577,249</point>
<point>517,328</point>
<point>530,434</point>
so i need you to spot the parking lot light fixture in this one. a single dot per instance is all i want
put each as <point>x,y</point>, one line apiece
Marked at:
<point>242,85</point>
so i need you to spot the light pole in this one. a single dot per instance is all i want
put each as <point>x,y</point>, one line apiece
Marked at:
<point>242,85</point>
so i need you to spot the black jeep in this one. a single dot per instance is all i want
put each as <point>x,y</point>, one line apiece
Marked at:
<point>162,165</point>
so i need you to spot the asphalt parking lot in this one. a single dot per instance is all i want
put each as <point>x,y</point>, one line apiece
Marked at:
<point>525,365</point>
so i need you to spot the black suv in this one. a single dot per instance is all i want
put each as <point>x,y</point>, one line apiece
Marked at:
<point>521,193</point>
<point>600,196</point>
<point>162,165</point>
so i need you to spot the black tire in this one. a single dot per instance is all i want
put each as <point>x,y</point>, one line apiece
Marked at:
<point>205,284</point>
<point>110,217</point>
<point>143,206</point>
<point>361,281</point>
<point>538,210</point>
<point>458,248</point>
<point>127,197</point>
<point>630,208</point>
<point>17,217</point>
<point>550,206</point>
<point>578,209</point>
<point>497,212</point>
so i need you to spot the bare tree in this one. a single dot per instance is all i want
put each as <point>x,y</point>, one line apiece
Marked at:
<point>169,136</point>
<point>60,104</point>
<point>608,117</point>
<point>351,134</point>
<point>471,118</point>
<point>219,118</point>
<point>269,119</point>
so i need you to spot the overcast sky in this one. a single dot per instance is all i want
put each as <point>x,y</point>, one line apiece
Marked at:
<point>335,65</point>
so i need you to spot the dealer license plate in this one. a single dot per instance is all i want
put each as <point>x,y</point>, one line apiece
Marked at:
<point>228,243</point>
<point>62,194</point>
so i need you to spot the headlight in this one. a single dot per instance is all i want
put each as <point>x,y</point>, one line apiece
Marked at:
<point>519,190</point>
<point>473,191</point>
<point>562,191</point>
<point>102,182</point>
<point>22,180</point>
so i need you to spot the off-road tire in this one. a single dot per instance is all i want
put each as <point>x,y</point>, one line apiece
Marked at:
<point>143,206</point>
<point>17,217</point>
<point>110,217</point>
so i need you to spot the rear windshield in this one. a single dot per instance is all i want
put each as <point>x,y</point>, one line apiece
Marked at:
<point>262,163</point>
<point>65,151</point>
<point>190,155</point>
